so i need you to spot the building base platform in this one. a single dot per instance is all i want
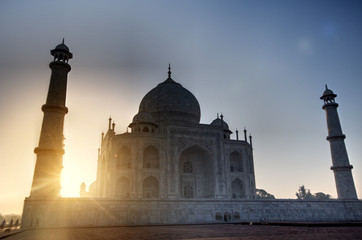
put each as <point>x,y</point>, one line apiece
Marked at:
<point>86,212</point>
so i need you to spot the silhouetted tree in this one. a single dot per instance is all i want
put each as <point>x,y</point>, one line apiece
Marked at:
<point>3,224</point>
<point>262,194</point>
<point>16,223</point>
<point>11,223</point>
<point>322,196</point>
<point>8,217</point>
<point>304,194</point>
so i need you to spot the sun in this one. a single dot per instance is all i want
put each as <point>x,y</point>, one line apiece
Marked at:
<point>70,180</point>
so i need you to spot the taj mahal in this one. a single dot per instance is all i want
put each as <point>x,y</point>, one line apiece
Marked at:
<point>168,154</point>
<point>169,168</point>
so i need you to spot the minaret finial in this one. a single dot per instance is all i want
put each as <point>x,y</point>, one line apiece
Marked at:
<point>63,41</point>
<point>169,70</point>
<point>326,87</point>
<point>217,115</point>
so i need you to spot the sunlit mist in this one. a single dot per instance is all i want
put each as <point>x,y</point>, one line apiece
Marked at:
<point>262,64</point>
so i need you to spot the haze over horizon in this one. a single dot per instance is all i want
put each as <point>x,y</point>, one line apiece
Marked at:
<point>263,64</point>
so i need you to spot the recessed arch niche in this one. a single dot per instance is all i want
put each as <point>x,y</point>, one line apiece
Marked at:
<point>123,187</point>
<point>150,187</point>
<point>196,173</point>
<point>151,157</point>
<point>237,188</point>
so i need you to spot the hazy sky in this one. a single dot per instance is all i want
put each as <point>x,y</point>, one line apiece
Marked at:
<point>263,64</point>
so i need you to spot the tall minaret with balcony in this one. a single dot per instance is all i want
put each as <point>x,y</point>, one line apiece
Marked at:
<point>46,180</point>
<point>340,164</point>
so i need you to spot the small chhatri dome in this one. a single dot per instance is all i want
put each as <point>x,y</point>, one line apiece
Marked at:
<point>328,93</point>
<point>143,117</point>
<point>62,46</point>
<point>220,122</point>
<point>169,101</point>
<point>61,52</point>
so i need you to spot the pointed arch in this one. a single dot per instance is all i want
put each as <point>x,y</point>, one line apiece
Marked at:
<point>227,216</point>
<point>237,188</point>
<point>123,158</point>
<point>123,188</point>
<point>151,157</point>
<point>236,162</point>
<point>150,187</point>
<point>236,216</point>
<point>218,216</point>
<point>196,173</point>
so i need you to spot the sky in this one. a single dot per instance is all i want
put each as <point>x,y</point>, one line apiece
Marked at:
<point>263,64</point>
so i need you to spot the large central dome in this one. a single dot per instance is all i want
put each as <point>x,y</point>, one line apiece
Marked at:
<point>169,101</point>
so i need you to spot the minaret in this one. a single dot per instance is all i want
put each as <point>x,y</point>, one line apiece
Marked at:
<point>46,180</point>
<point>340,163</point>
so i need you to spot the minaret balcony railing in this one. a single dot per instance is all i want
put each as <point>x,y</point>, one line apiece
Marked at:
<point>336,137</point>
<point>40,150</point>
<point>330,104</point>
<point>60,64</point>
<point>347,168</point>
<point>54,108</point>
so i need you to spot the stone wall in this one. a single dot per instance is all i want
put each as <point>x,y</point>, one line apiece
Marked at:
<point>76,212</point>
<point>175,145</point>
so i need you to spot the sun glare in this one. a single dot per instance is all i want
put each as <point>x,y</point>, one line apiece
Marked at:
<point>70,182</point>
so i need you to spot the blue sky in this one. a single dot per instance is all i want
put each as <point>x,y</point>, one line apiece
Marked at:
<point>263,64</point>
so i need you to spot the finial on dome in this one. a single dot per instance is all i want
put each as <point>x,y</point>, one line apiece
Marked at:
<point>63,41</point>
<point>169,70</point>
<point>326,87</point>
<point>217,115</point>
